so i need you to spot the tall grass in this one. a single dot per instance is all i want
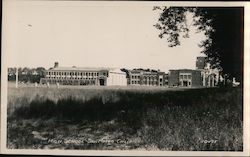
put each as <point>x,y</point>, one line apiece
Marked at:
<point>162,119</point>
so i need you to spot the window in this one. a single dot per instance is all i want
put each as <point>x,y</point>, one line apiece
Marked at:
<point>185,76</point>
<point>189,76</point>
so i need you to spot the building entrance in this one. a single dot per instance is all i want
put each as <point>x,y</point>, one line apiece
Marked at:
<point>185,83</point>
<point>101,82</point>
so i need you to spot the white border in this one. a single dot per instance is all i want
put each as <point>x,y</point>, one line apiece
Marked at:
<point>246,5</point>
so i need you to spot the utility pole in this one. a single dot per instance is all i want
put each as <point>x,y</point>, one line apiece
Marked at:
<point>16,77</point>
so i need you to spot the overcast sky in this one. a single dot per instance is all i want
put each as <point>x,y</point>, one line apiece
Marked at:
<point>85,34</point>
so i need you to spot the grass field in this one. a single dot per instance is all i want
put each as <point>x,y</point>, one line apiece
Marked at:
<point>111,118</point>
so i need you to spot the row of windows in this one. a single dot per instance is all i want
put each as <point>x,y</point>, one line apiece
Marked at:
<point>150,82</point>
<point>135,77</point>
<point>74,73</point>
<point>150,79</point>
<point>72,78</point>
<point>68,76</point>
<point>144,82</point>
<point>187,76</point>
<point>144,77</point>
<point>135,82</point>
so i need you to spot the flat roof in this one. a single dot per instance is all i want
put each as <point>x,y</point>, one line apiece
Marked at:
<point>80,69</point>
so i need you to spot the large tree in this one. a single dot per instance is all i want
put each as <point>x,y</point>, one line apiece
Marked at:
<point>223,27</point>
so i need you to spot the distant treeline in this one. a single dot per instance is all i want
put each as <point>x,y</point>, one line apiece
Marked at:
<point>26,75</point>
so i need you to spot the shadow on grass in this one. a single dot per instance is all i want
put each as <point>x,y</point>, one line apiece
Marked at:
<point>166,120</point>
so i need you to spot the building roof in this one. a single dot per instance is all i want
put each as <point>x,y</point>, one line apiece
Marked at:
<point>79,68</point>
<point>182,70</point>
<point>74,68</point>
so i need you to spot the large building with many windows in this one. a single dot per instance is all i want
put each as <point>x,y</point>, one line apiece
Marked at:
<point>202,76</point>
<point>185,78</point>
<point>147,78</point>
<point>84,76</point>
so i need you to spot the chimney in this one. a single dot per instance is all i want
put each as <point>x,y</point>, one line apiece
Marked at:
<point>56,65</point>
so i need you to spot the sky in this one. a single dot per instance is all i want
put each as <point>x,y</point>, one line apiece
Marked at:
<point>90,34</point>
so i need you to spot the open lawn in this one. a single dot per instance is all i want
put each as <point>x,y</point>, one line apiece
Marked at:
<point>121,118</point>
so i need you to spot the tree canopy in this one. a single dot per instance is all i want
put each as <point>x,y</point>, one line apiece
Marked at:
<point>27,74</point>
<point>223,28</point>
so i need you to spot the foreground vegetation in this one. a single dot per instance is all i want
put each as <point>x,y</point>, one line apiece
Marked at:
<point>113,118</point>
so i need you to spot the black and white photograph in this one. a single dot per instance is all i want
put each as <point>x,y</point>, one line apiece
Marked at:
<point>124,77</point>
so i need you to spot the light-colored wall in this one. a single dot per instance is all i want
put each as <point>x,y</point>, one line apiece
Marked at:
<point>117,79</point>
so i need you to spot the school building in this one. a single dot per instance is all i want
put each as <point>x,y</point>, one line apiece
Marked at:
<point>202,76</point>
<point>147,78</point>
<point>84,76</point>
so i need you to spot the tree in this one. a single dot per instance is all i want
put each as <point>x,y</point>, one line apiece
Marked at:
<point>27,74</point>
<point>223,27</point>
<point>41,71</point>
